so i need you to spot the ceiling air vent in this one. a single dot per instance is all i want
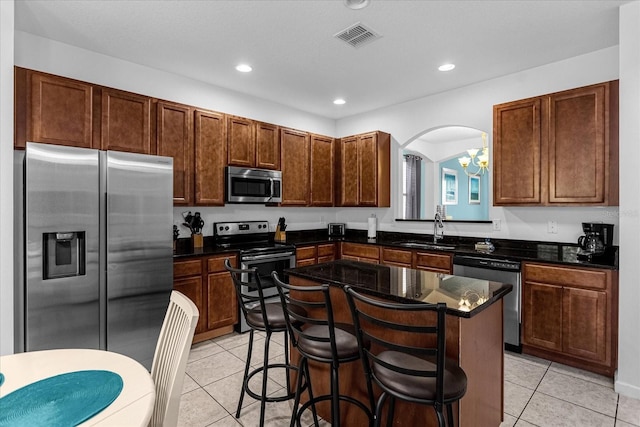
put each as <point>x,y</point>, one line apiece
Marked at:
<point>357,35</point>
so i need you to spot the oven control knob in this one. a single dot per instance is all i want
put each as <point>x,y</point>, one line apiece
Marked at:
<point>226,228</point>
<point>221,228</point>
<point>259,226</point>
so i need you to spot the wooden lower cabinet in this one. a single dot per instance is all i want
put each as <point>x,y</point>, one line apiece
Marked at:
<point>206,282</point>
<point>360,252</point>
<point>432,261</point>
<point>315,254</point>
<point>306,255</point>
<point>570,315</point>
<point>397,257</point>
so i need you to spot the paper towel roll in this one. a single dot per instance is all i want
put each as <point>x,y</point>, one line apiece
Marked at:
<point>371,230</point>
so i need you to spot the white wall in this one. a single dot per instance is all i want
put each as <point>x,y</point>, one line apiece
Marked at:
<point>628,378</point>
<point>6,176</point>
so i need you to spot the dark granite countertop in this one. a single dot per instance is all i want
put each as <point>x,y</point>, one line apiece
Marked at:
<point>464,296</point>
<point>519,250</point>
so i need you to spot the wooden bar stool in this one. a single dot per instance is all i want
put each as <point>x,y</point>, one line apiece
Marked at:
<point>321,340</point>
<point>410,372</point>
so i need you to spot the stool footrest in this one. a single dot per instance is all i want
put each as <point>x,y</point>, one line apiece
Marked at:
<point>257,396</point>
<point>328,397</point>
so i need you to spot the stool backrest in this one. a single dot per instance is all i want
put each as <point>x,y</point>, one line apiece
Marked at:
<point>385,325</point>
<point>304,306</point>
<point>246,282</point>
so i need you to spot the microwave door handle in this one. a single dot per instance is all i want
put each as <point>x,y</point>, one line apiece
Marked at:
<point>270,189</point>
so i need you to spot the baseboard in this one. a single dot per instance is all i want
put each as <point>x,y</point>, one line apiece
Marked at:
<point>626,389</point>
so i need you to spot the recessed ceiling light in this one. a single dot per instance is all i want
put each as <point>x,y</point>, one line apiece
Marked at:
<point>339,101</point>
<point>244,68</point>
<point>446,67</point>
<point>356,4</point>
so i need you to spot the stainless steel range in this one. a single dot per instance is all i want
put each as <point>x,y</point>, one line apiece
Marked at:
<point>256,250</point>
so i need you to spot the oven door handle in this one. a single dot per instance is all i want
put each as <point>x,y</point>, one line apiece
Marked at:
<point>269,256</point>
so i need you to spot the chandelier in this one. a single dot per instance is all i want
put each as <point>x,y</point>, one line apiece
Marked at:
<point>478,162</point>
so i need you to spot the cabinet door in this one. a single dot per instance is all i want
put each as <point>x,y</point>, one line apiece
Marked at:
<point>175,139</point>
<point>210,155</point>
<point>126,122</point>
<point>542,317</point>
<point>306,255</point>
<point>348,172</point>
<point>584,324</point>
<point>59,111</point>
<point>321,171</point>
<point>367,170</point>
<point>295,167</point>
<point>578,158</point>
<point>439,263</point>
<point>397,257</point>
<point>268,146</point>
<point>192,288</point>
<point>517,153</point>
<point>221,301</point>
<point>241,142</point>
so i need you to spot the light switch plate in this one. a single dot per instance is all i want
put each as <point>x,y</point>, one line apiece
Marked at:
<point>552,227</point>
<point>497,223</point>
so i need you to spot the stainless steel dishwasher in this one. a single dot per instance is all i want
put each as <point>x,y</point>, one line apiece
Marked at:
<point>497,270</point>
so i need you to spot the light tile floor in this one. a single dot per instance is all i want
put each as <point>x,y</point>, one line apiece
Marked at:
<point>537,392</point>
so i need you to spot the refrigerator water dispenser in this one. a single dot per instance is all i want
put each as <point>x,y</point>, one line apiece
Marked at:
<point>64,255</point>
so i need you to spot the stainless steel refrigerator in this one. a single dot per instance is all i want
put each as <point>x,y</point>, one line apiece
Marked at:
<point>93,249</point>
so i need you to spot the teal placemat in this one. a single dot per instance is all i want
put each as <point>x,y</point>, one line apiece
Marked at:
<point>63,400</point>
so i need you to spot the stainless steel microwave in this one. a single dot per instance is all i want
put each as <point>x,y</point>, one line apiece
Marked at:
<point>245,185</point>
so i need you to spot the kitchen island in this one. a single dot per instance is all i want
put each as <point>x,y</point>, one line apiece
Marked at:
<point>474,336</point>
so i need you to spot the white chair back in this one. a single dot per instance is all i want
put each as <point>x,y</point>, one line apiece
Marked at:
<point>170,359</point>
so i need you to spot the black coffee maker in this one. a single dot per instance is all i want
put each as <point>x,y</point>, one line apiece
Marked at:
<point>597,238</point>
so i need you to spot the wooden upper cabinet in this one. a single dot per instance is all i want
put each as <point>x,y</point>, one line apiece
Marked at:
<point>578,146</point>
<point>53,110</point>
<point>368,170</point>
<point>126,122</point>
<point>210,157</point>
<point>517,153</point>
<point>348,179</point>
<point>559,149</point>
<point>369,182</point>
<point>241,142</point>
<point>175,139</point>
<point>295,167</point>
<point>267,146</point>
<point>321,171</point>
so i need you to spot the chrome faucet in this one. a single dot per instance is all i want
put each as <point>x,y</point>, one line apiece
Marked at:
<point>437,224</point>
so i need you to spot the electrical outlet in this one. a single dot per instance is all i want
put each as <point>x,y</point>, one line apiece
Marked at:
<point>497,223</point>
<point>552,227</point>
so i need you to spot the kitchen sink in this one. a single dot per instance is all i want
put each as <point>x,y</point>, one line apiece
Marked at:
<point>425,245</point>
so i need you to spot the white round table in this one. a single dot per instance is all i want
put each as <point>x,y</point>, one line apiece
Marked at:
<point>134,405</point>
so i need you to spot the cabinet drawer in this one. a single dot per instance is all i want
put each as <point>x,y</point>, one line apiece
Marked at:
<point>396,255</point>
<point>307,252</point>
<point>432,260</point>
<point>362,251</point>
<point>216,264</point>
<point>327,250</point>
<point>192,267</point>
<point>567,276</point>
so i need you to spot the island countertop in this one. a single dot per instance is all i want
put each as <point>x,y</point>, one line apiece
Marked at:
<point>464,296</point>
